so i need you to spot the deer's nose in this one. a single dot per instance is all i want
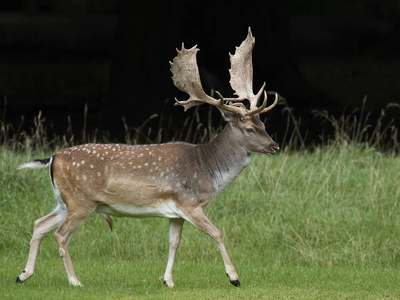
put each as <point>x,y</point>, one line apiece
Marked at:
<point>275,147</point>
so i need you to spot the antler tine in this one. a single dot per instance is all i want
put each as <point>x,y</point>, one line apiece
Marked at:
<point>237,108</point>
<point>254,100</point>
<point>259,110</point>
<point>272,105</point>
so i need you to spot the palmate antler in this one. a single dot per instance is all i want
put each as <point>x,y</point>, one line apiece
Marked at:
<point>186,78</point>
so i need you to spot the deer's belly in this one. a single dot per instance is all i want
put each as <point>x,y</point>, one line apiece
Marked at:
<point>166,210</point>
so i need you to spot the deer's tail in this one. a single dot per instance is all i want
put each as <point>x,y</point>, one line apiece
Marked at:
<point>36,164</point>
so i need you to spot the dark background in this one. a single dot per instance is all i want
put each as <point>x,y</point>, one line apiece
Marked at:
<point>111,58</point>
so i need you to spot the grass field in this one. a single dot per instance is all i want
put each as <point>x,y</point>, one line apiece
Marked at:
<point>320,225</point>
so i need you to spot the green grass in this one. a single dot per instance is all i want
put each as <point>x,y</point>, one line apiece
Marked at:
<point>320,225</point>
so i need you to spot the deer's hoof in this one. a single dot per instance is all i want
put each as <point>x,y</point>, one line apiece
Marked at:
<point>168,283</point>
<point>236,283</point>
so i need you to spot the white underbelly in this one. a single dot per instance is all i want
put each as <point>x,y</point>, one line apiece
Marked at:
<point>164,210</point>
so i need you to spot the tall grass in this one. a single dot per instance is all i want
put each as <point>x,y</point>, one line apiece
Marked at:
<point>197,127</point>
<point>358,127</point>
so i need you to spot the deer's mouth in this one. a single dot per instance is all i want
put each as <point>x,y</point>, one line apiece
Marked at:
<point>271,151</point>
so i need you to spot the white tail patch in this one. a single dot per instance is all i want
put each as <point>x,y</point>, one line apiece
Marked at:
<point>33,165</point>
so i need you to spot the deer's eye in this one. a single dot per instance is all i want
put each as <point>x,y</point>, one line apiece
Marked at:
<point>250,130</point>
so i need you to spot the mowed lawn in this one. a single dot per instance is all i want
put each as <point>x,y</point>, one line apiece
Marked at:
<point>311,225</point>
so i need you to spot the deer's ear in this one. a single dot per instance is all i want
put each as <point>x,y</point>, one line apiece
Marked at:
<point>229,116</point>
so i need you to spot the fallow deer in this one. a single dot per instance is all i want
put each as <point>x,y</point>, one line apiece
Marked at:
<point>173,180</point>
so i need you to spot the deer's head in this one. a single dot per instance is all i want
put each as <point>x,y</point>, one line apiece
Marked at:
<point>245,121</point>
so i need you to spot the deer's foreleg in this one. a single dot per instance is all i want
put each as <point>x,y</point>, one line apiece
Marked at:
<point>175,231</point>
<point>199,219</point>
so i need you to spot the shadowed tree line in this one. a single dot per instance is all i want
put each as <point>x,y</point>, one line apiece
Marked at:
<point>143,36</point>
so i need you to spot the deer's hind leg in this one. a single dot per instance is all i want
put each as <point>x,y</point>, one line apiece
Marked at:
<point>41,227</point>
<point>73,220</point>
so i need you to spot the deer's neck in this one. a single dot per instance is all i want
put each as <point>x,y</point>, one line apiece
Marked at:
<point>224,159</point>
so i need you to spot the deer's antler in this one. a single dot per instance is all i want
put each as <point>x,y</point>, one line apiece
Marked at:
<point>241,72</point>
<point>185,75</point>
<point>186,78</point>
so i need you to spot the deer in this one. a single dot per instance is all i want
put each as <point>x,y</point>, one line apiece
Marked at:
<point>175,180</point>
